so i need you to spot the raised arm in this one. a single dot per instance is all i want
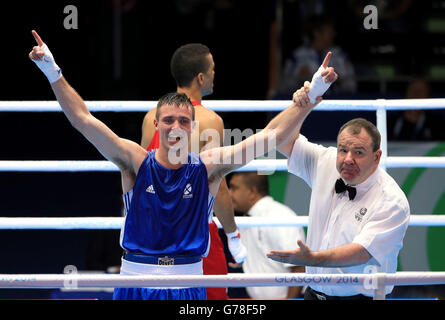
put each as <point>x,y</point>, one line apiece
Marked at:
<point>223,208</point>
<point>221,161</point>
<point>280,133</point>
<point>306,99</point>
<point>126,154</point>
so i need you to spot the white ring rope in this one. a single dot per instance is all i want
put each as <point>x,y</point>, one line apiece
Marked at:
<point>217,105</point>
<point>230,280</point>
<point>75,280</point>
<point>231,105</point>
<point>103,165</point>
<point>258,164</point>
<point>69,223</point>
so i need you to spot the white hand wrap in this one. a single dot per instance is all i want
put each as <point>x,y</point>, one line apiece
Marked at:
<point>236,247</point>
<point>48,65</point>
<point>318,86</point>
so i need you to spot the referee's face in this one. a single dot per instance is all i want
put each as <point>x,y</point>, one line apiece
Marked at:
<point>356,160</point>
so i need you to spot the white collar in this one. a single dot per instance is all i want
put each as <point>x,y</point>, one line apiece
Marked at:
<point>369,182</point>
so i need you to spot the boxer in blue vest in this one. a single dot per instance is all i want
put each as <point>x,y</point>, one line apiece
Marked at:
<point>169,193</point>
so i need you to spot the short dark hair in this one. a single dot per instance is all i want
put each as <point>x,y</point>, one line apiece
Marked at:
<point>253,179</point>
<point>317,23</point>
<point>176,99</point>
<point>188,61</point>
<point>356,125</point>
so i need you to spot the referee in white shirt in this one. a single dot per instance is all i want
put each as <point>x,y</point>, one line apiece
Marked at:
<point>358,214</point>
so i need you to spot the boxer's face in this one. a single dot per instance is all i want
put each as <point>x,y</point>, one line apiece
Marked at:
<point>208,77</point>
<point>356,160</point>
<point>175,126</point>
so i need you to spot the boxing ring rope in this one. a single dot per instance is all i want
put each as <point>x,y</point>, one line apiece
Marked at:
<point>379,105</point>
<point>378,280</point>
<point>231,105</point>
<point>70,223</point>
<point>258,164</point>
<point>233,280</point>
<point>373,281</point>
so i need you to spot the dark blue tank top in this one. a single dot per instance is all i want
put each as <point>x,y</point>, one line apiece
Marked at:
<point>168,210</point>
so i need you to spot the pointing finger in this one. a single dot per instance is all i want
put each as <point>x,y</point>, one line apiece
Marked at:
<point>329,75</point>
<point>34,56</point>
<point>37,38</point>
<point>326,59</point>
<point>37,53</point>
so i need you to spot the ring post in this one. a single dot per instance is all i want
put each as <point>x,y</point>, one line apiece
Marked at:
<point>381,126</point>
<point>379,292</point>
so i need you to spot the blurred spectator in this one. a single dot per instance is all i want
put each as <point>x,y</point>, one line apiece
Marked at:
<point>416,124</point>
<point>250,195</point>
<point>306,59</point>
<point>309,8</point>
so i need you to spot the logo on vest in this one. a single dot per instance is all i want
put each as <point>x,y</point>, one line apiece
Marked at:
<point>188,191</point>
<point>150,189</point>
<point>166,261</point>
<point>359,215</point>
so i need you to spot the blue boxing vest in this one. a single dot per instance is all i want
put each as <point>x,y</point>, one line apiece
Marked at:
<point>168,210</point>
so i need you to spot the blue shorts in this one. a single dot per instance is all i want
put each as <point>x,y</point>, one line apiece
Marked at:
<point>159,294</point>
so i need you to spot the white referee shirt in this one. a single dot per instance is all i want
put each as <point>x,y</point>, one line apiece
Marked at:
<point>377,218</point>
<point>259,241</point>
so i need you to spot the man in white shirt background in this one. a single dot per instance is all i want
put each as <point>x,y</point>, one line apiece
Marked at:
<point>358,215</point>
<point>250,195</point>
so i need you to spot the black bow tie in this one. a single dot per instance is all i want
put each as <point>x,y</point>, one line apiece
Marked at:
<point>340,187</point>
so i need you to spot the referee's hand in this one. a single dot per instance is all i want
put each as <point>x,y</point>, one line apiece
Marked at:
<point>301,256</point>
